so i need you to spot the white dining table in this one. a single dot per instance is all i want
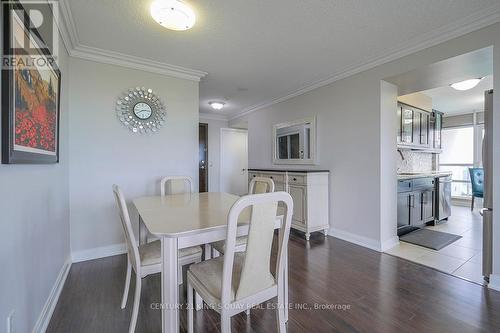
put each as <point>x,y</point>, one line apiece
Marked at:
<point>184,220</point>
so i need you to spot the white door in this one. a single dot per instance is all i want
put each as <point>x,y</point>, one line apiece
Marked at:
<point>234,161</point>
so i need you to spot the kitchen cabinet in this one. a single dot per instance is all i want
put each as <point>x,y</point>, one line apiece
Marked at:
<point>309,192</point>
<point>418,129</point>
<point>403,210</point>
<point>436,129</point>
<point>415,204</point>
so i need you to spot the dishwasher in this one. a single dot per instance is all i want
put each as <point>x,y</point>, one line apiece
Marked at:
<point>443,199</point>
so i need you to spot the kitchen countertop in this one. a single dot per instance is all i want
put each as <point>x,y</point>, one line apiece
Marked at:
<point>430,174</point>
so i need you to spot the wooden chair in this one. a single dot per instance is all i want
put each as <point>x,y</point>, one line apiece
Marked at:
<point>144,259</point>
<point>257,185</point>
<point>237,281</point>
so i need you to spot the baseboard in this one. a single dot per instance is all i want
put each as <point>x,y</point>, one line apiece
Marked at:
<point>494,282</point>
<point>46,314</point>
<point>389,244</point>
<point>98,252</point>
<point>356,239</point>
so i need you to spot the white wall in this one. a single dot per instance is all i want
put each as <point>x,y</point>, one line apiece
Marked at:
<point>353,142</point>
<point>214,126</point>
<point>104,152</point>
<point>34,223</point>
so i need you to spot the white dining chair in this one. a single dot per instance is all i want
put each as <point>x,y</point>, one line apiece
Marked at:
<point>176,185</point>
<point>257,185</point>
<point>144,259</point>
<point>237,281</point>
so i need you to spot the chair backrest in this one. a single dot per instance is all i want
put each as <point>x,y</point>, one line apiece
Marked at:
<point>176,185</point>
<point>255,274</point>
<point>260,185</point>
<point>132,250</point>
<point>477,180</point>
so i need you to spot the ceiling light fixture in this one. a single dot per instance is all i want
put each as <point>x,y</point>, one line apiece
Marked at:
<point>466,85</point>
<point>216,105</point>
<point>173,14</point>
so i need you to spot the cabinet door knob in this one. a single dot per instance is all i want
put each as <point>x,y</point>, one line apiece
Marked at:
<point>295,179</point>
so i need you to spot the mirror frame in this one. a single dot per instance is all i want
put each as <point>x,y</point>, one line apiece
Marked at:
<point>310,161</point>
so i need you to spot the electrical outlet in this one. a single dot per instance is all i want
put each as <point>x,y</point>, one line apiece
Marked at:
<point>10,322</point>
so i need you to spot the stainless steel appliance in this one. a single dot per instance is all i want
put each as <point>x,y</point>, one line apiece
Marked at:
<point>487,211</point>
<point>443,198</point>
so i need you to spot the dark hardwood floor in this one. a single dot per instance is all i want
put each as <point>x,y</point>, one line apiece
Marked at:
<point>365,291</point>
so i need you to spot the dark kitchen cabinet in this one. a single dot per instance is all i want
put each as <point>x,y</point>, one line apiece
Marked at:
<point>415,203</point>
<point>436,129</point>
<point>416,128</point>
<point>407,125</point>
<point>416,209</point>
<point>403,210</point>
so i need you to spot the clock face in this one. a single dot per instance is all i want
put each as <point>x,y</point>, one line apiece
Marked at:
<point>142,110</point>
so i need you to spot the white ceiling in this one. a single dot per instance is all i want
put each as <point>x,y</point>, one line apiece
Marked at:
<point>451,101</point>
<point>258,51</point>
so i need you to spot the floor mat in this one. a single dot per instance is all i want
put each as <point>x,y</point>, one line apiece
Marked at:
<point>431,239</point>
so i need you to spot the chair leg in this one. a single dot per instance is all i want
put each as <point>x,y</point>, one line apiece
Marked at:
<point>127,285</point>
<point>280,315</point>
<point>225,323</point>
<point>137,300</point>
<point>472,204</point>
<point>190,306</point>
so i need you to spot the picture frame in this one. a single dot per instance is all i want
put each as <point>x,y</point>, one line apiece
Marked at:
<point>30,93</point>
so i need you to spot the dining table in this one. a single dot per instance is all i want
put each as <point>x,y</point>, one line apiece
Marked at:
<point>185,220</point>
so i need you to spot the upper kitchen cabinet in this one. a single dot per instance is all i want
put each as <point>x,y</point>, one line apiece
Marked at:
<point>418,129</point>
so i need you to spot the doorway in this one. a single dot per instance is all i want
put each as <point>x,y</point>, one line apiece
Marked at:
<point>234,161</point>
<point>203,157</point>
<point>441,124</point>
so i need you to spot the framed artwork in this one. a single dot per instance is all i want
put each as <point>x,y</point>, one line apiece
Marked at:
<point>30,93</point>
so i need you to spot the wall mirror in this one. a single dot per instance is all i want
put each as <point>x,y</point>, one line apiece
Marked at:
<point>294,142</point>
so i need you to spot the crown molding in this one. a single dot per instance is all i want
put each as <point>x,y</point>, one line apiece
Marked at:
<point>76,49</point>
<point>67,27</point>
<point>473,22</point>
<point>125,60</point>
<point>211,116</point>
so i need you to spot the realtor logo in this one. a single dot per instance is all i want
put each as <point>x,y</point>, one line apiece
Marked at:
<point>32,33</point>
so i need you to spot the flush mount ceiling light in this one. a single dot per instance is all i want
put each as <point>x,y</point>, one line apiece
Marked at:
<point>173,14</point>
<point>466,85</point>
<point>216,105</point>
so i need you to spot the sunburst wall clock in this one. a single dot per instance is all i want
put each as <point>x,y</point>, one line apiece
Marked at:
<point>141,110</point>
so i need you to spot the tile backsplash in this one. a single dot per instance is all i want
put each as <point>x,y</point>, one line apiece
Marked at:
<point>415,161</point>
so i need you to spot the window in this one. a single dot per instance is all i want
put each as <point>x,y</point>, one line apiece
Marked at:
<point>458,157</point>
<point>461,151</point>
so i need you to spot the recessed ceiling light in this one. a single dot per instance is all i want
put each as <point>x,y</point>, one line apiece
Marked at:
<point>173,14</point>
<point>216,105</point>
<point>466,85</point>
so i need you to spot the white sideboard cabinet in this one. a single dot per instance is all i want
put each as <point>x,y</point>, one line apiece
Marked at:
<point>309,191</point>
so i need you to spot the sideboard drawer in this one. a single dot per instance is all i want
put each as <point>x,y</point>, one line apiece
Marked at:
<point>276,177</point>
<point>252,175</point>
<point>297,179</point>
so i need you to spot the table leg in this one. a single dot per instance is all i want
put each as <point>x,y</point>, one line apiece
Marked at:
<point>169,286</point>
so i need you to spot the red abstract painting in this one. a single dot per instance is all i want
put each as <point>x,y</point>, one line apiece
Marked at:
<point>36,110</point>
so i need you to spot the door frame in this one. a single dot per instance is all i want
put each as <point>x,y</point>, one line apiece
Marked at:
<point>233,130</point>
<point>207,173</point>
